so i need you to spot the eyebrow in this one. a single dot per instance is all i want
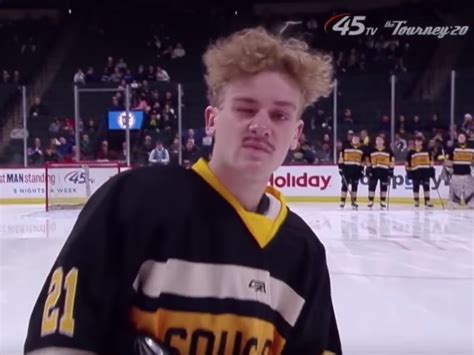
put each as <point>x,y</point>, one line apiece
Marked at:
<point>281,103</point>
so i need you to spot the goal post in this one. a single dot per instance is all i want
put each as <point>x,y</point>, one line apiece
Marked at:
<point>71,185</point>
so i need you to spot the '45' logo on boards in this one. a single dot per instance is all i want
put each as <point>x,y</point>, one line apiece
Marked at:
<point>77,177</point>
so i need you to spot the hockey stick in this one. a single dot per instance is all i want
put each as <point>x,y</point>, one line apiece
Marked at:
<point>348,189</point>
<point>439,195</point>
<point>388,192</point>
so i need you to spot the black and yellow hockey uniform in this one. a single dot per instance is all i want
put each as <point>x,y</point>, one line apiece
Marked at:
<point>459,162</point>
<point>419,168</point>
<point>351,165</point>
<point>169,252</point>
<point>380,164</point>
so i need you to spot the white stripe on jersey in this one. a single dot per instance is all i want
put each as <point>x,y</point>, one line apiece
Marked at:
<point>201,280</point>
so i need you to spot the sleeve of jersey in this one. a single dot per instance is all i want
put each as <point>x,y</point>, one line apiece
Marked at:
<point>82,299</point>
<point>316,331</point>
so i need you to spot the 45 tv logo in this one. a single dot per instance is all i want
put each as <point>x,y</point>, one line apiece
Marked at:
<point>77,177</point>
<point>349,25</point>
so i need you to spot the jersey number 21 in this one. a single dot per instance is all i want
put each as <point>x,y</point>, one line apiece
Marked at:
<point>58,284</point>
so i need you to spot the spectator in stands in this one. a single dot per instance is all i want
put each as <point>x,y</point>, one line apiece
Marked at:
<point>122,156</point>
<point>384,125</point>
<point>104,153</point>
<point>400,148</point>
<point>178,51</point>
<point>206,145</point>
<point>121,65</point>
<point>154,123</point>
<point>79,77</point>
<point>364,138</point>
<point>91,127</point>
<point>64,148</point>
<point>173,150</point>
<point>91,76</point>
<point>169,116</point>
<point>5,77</point>
<point>324,155</point>
<point>116,106</point>
<point>468,123</point>
<point>436,125</point>
<point>128,77</point>
<point>347,120</point>
<point>116,76</point>
<point>436,144</point>
<point>38,108</point>
<point>141,75</point>
<point>416,125</point>
<point>54,127</point>
<point>16,77</point>
<point>161,74</point>
<point>190,135</point>
<point>190,153</point>
<point>51,154</point>
<point>35,153</point>
<point>170,100</point>
<point>142,104</point>
<point>159,155</point>
<point>144,150</point>
<point>86,147</point>
<point>401,126</point>
<point>151,76</point>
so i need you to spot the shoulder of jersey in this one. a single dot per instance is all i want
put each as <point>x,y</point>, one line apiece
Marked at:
<point>157,184</point>
<point>299,229</point>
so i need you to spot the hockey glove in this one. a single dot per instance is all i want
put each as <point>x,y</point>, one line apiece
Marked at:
<point>432,173</point>
<point>409,174</point>
<point>368,171</point>
<point>390,173</point>
<point>341,169</point>
<point>145,345</point>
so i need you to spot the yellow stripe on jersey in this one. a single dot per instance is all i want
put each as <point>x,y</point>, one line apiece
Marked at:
<point>420,160</point>
<point>205,333</point>
<point>463,156</point>
<point>262,228</point>
<point>352,156</point>
<point>380,159</point>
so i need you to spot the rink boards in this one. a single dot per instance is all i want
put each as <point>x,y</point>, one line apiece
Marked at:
<point>312,183</point>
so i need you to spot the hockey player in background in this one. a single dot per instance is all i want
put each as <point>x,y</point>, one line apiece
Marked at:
<point>207,260</point>
<point>380,163</point>
<point>459,164</point>
<point>419,169</point>
<point>351,160</point>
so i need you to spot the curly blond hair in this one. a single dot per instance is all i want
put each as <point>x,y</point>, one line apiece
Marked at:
<point>254,50</point>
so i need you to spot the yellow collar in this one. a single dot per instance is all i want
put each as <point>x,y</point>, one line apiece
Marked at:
<point>262,228</point>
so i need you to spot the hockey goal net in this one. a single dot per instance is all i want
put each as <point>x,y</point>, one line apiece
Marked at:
<point>71,185</point>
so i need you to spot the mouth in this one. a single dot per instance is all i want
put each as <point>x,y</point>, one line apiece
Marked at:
<point>257,145</point>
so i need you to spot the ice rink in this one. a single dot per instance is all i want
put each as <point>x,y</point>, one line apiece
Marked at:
<point>402,280</point>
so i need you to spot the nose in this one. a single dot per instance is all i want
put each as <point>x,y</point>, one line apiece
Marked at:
<point>260,126</point>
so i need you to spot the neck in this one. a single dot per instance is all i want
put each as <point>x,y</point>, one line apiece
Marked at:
<point>247,190</point>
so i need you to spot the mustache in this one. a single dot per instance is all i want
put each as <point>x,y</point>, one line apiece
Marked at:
<point>265,144</point>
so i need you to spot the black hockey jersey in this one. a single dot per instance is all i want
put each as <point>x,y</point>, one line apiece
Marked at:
<point>419,161</point>
<point>380,159</point>
<point>351,159</point>
<point>171,253</point>
<point>461,158</point>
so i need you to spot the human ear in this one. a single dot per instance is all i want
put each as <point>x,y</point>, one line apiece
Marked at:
<point>210,116</point>
<point>296,137</point>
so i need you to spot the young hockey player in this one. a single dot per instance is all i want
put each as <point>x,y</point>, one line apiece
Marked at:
<point>419,168</point>
<point>459,162</point>
<point>207,260</point>
<point>351,161</point>
<point>380,165</point>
